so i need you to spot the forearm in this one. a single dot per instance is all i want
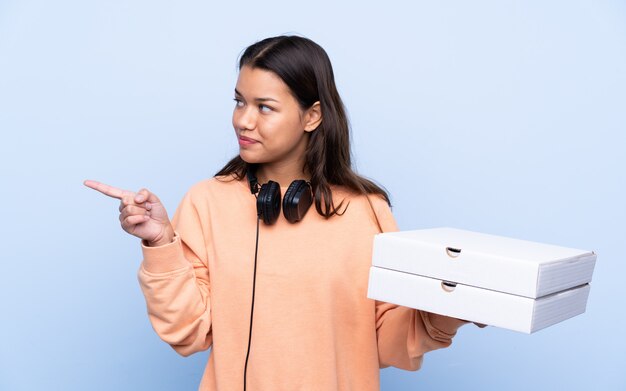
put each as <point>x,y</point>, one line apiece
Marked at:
<point>405,335</point>
<point>177,302</point>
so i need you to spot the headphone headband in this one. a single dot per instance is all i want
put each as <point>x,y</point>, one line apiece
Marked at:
<point>252,181</point>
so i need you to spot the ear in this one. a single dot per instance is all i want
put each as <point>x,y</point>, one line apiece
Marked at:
<point>313,117</point>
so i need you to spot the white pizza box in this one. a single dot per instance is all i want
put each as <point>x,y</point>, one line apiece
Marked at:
<point>473,304</point>
<point>492,262</point>
<point>510,283</point>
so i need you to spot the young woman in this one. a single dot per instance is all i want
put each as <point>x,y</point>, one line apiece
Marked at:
<point>283,302</point>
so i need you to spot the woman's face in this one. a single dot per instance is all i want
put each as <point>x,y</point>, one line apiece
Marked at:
<point>268,122</point>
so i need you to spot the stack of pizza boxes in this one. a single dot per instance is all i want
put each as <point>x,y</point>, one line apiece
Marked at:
<point>493,280</point>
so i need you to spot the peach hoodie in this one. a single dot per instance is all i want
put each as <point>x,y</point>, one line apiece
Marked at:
<point>314,327</point>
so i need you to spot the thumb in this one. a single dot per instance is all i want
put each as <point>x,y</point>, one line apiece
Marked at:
<point>144,195</point>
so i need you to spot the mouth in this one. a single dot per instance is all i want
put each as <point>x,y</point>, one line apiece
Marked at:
<point>243,140</point>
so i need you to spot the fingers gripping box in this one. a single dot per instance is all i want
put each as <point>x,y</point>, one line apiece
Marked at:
<point>503,282</point>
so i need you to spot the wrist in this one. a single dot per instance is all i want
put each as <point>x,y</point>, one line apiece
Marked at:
<point>166,238</point>
<point>445,323</point>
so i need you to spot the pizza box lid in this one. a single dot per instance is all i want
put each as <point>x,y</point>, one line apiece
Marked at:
<point>498,263</point>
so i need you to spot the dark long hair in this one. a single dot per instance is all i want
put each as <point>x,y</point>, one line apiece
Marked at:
<point>306,69</point>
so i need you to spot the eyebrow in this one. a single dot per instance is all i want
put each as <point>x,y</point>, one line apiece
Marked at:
<point>259,99</point>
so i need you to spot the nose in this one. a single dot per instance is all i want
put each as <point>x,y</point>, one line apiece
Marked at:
<point>244,118</point>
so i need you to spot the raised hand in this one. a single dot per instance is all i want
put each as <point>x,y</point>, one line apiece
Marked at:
<point>141,213</point>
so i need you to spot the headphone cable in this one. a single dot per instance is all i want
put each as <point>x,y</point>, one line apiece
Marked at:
<point>256,250</point>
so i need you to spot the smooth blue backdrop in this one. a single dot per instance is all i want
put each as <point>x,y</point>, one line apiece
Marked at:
<point>506,117</point>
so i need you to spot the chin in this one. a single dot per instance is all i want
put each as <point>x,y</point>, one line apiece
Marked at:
<point>250,158</point>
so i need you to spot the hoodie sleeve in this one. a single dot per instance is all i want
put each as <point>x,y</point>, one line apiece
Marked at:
<point>404,334</point>
<point>174,279</point>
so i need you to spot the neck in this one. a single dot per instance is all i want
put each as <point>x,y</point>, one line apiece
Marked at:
<point>283,173</point>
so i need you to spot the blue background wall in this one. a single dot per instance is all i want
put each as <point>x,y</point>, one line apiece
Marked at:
<point>505,117</point>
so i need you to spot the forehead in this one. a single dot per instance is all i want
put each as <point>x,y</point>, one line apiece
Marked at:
<point>257,82</point>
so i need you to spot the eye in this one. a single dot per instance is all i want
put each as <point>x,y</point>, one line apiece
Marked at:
<point>238,102</point>
<point>265,109</point>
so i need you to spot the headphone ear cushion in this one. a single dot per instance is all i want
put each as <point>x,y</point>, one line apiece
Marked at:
<point>297,201</point>
<point>268,202</point>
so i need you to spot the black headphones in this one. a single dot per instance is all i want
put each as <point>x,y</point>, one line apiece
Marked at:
<point>296,203</point>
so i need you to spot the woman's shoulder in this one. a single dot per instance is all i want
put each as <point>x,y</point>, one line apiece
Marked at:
<point>372,206</point>
<point>375,200</point>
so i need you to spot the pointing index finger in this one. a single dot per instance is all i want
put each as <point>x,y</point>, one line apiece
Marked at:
<point>106,189</point>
